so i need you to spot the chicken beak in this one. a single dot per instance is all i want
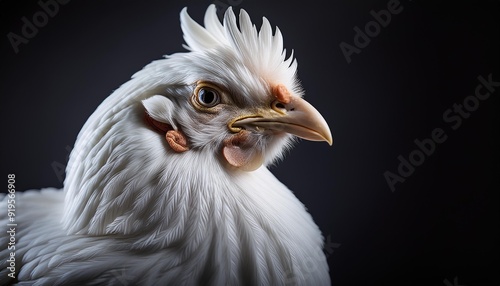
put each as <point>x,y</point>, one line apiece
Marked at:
<point>296,117</point>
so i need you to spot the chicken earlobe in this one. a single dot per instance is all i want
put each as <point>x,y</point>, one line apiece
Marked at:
<point>175,138</point>
<point>240,153</point>
<point>177,141</point>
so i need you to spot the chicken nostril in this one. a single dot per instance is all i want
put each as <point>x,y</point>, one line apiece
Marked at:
<point>280,105</point>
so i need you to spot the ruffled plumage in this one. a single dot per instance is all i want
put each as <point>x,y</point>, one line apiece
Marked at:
<point>133,212</point>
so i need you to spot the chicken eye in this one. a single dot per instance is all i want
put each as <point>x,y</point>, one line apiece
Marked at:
<point>208,97</point>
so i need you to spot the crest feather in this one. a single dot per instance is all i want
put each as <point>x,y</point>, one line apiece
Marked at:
<point>260,50</point>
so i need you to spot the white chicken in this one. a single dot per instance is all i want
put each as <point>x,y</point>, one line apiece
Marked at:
<point>167,183</point>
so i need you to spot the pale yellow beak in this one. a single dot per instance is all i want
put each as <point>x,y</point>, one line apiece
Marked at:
<point>296,117</point>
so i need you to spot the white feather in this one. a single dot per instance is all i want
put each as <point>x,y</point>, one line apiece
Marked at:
<point>133,212</point>
<point>160,109</point>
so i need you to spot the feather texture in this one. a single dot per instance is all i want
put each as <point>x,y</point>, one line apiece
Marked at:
<point>134,212</point>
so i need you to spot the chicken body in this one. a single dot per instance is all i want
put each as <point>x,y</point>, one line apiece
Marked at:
<point>167,183</point>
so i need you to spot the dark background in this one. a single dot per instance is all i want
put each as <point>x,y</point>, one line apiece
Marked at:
<point>439,227</point>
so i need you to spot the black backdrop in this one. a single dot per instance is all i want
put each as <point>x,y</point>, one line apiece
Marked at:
<point>438,227</point>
